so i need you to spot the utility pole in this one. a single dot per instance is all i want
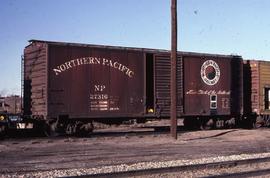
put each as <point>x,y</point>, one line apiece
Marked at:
<point>173,68</point>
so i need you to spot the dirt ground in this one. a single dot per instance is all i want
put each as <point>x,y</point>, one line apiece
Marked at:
<point>100,149</point>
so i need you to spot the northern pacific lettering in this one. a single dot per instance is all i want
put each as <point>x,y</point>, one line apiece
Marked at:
<point>93,61</point>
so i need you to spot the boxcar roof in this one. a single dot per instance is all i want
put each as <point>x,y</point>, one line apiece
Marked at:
<point>159,51</point>
<point>257,60</point>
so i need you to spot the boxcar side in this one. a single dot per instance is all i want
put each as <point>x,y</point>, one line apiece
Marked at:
<point>69,85</point>
<point>92,82</point>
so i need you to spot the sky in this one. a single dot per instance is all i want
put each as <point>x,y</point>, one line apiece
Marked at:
<point>211,26</point>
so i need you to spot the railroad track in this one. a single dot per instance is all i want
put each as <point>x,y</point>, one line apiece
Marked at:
<point>262,172</point>
<point>163,168</point>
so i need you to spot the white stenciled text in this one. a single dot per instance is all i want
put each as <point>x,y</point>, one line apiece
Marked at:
<point>93,61</point>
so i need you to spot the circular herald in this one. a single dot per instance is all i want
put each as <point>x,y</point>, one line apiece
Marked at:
<point>210,72</point>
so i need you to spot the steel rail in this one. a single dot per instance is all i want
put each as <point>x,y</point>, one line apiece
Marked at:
<point>175,169</point>
<point>261,172</point>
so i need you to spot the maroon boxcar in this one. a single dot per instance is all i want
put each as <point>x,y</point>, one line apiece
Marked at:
<point>70,84</point>
<point>257,91</point>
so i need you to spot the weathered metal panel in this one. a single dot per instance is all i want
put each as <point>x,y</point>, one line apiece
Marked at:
<point>206,76</point>
<point>264,84</point>
<point>87,81</point>
<point>251,86</point>
<point>35,79</point>
<point>136,83</point>
<point>212,85</point>
<point>162,69</point>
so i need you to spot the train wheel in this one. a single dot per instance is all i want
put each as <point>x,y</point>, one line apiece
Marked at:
<point>207,124</point>
<point>49,129</point>
<point>71,129</point>
<point>3,131</point>
<point>230,123</point>
<point>259,122</point>
<point>267,121</point>
<point>83,129</point>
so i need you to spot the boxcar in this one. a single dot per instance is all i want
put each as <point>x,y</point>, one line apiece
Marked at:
<point>257,91</point>
<point>69,85</point>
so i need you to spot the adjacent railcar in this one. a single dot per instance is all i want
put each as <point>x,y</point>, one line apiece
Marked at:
<point>257,91</point>
<point>69,85</point>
